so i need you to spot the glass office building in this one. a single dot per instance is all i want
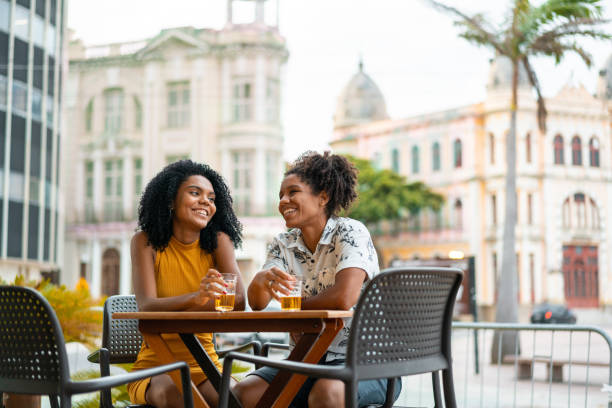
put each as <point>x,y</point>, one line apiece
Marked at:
<point>31,34</point>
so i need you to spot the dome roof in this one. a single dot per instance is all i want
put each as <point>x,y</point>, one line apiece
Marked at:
<point>360,101</point>
<point>605,78</point>
<point>500,74</point>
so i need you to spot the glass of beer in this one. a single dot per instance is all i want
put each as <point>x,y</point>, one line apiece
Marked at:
<point>293,301</point>
<point>225,302</point>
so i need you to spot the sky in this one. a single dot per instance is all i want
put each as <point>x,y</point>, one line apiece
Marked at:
<point>410,50</point>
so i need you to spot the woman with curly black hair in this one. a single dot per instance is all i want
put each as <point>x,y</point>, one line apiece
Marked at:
<point>334,255</point>
<point>186,238</point>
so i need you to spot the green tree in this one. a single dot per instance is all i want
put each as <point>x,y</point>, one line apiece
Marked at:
<point>386,195</point>
<point>551,28</point>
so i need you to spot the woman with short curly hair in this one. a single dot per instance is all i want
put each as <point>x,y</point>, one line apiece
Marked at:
<point>334,255</point>
<point>186,238</point>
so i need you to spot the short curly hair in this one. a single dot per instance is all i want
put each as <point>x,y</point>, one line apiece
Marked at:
<point>154,215</point>
<point>331,173</point>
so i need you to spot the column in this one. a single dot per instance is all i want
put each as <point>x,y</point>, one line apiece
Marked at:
<point>125,273</point>
<point>128,185</point>
<point>260,89</point>
<point>259,181</point>
<point>98,187</point>
<point>96,268</point>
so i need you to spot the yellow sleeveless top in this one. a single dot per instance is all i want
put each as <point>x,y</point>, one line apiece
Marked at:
<point>179,270</point>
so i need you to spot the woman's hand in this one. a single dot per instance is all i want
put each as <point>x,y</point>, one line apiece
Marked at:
<point>266,285</point>
<point>211,285</point>
<point>274,280</point>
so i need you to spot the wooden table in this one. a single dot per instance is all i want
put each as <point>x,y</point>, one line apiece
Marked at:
<point>319,328</point>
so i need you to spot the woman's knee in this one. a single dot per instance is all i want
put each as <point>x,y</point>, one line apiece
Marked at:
<point>250,390</point>
<point>162,393</point>
<point>326,393</point>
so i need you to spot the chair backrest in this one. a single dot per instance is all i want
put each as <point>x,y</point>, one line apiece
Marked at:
<point>33,357</point>
<point>402,323</point>
<point>121,336</point>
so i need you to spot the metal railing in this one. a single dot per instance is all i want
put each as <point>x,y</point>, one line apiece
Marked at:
<point>557,365</point>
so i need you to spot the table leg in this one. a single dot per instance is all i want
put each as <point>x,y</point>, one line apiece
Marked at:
<point>310,349</point>
<point>164,354</point>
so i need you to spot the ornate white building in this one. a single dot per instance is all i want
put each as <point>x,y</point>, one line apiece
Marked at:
<point>132,108</point>
<point>564,183</point>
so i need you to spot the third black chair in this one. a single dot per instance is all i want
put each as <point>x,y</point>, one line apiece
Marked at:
<point>401,326</point>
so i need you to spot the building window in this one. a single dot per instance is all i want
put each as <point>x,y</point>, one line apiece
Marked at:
<point>595,221</point>
<point>457,159</point>
<point>415,159</point>
<point>435,156</point>
<point>458,210</point>
<point>113,190</point>
<point>272,100</point>
<point>20,98</point>
<point>491,148</point>
<point>594,152</point>
<point>137,114</point>
<point>529,208</point>
<point>137,183</point>
<point>89,191</point>
<point>567,214</point>
<point>179,97</point>
<point>395,160</point>
<point>576,151</point>
<point>558,147</point>
<point>89,112</point>
<point>493,209</point>
<point>242,101</point>
<point>21,24</point>
<point>528,147</point>
<point>580,210</point>
<point>242,173</point>
<point>3,88</point>
<point>494,265</point>
<point>113,110</point>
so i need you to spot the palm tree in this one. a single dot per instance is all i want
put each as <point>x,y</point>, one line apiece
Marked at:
<point>548,29</point>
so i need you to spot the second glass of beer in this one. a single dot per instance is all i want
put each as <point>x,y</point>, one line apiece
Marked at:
<point>293,301</point>
<point>225,302</point>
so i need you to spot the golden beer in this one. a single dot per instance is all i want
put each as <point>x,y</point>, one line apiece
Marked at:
<point>224,303</point>
<point>290,303</point>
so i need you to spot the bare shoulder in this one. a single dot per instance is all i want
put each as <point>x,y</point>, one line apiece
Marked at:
<point>140,242</point>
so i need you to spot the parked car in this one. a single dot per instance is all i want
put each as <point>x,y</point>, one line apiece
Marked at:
<point>547,313</point>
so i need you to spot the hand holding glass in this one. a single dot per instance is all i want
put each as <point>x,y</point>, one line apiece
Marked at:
<point>225,302</point>
<point>292,301</point>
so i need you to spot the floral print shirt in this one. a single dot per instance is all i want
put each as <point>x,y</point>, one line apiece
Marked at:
<point>345,243</point>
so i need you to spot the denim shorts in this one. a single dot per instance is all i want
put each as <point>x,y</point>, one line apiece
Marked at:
<point>369,391</point>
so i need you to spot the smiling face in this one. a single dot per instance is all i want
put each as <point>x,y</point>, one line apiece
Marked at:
<point>194,205</point>
<point>299,206</point>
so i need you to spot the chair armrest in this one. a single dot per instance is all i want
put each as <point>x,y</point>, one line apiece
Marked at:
<point>256,345</point>
<point>94,357</point>
<point>80,387</point>
<point>267,346</point>
<point>312,370</point>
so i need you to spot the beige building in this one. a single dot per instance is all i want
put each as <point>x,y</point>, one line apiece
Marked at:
<point>131,108</point>
<point>564,183</point>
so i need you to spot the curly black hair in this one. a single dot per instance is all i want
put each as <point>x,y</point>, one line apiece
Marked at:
<point>331,173</point>
<point>154,215</point>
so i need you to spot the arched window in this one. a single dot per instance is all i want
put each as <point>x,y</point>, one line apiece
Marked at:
<point>113,110</point>
<point>137,114</point>
<point>89,116</point>
<point>576,151</point>
<point>491,148</point>
<point>493,209</point>
<point>415,159</point>
<point>395,160</point>
<point>435,156</point>
<point>580,210</point>
<point>567,215</point>
<point>528,147</point>
<point>457,153</point>
<point>558,147</point>
<point>594,152</point>
<point>458,212</point>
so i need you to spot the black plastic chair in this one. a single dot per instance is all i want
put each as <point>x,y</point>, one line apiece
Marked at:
<point>401,326</point>
<point>33,357</point>
<point>121,342</point>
